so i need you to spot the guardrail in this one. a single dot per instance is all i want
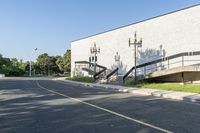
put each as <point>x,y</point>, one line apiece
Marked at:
<point>164,59</point>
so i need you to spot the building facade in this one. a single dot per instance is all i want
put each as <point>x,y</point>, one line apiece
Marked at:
<point>162,36</point>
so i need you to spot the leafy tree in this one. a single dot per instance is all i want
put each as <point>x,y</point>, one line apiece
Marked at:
<point>5,65</point>
<point>60,63</point>
<point>14,62</point>
<point>10,67</point>
<point>52,66</point>
<point>22,65</point>
<point>37,69</point>
<point>67,61</point>
<point>42,62</point>
<point>1,62</point>
<point>45,65</point>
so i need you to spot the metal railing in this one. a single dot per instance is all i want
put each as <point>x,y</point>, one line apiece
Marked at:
<point>96,75</point>
<point>91,64</point>
<point>161,60</point>
<point>111,73</point>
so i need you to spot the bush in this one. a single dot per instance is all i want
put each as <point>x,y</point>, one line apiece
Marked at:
<point>132,83</point>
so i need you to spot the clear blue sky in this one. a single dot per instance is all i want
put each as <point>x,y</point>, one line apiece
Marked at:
<point>50,25</point>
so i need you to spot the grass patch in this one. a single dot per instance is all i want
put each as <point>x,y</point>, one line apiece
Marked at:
<point>82,79</point>
<point>194,88</point>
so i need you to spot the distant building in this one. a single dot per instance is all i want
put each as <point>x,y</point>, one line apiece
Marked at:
<point>162,36</point>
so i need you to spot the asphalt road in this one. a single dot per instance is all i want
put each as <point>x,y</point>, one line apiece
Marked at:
<point>45,106</point>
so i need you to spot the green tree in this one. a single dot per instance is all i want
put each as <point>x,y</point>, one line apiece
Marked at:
<point>52,66</point>
<point>47,64</point>
<point>42,62</point>
<point>67,61</point>
<point>10,67</point>
<point>1,62</point>
<point>60,63</point>
<point>5,65</point>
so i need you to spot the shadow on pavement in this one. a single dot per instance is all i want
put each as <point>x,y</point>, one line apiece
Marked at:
<point>25,108</point>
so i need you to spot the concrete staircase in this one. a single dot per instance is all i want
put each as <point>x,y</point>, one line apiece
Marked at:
<point>111,77</point>
<point>116,80</point>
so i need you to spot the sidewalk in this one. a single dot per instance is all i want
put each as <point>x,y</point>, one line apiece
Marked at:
<point>184,96</point>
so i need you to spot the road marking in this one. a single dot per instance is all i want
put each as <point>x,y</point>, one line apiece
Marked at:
<point>106,110</point>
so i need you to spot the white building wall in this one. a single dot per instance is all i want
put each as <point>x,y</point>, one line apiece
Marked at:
<point>176,32</point>
<point>2,75</point>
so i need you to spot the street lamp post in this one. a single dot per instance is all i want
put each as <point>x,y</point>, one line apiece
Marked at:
<point>136,44</point>
<point>30,73</point>
<point>117,58</point>
<point>94,50</point>
<point>30,65</point>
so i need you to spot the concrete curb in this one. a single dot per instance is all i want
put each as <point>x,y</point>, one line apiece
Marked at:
<point>183,96</point>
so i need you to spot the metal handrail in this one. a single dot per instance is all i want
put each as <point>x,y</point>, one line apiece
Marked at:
<point>111,73</point>
<point>86,62</point>
<point>161,60</point>
<point>92,64</point>
<point>95,76</point>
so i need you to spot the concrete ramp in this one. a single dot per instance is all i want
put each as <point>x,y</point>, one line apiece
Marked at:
<point>177,74</point>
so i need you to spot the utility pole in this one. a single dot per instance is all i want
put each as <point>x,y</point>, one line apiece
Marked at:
<point>94,50</point>
<point>30,64</point>
<point>136,44</point>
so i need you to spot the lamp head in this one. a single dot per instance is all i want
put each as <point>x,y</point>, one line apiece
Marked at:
<point>139,45</point>
<point>92,50</point>
<point>135,35</point>
<point>141,40</point>
<point>98,50</point>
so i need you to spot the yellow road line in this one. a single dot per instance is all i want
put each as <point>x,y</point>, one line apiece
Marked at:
<point>107,110</point>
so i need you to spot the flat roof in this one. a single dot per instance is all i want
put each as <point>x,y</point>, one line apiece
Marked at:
<point>136,22</point>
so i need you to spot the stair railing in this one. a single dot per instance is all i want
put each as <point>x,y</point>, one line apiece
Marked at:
<point>96,76</point>
<point>92,64</point>
<point>111,73</point>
